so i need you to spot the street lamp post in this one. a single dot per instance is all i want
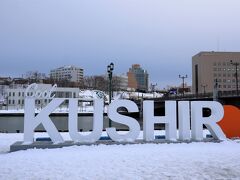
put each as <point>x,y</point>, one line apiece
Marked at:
<point>183,78</point>
<point>204,88</point>
<point>215,91</point>
<point>110,69</point>
<point>153,86</point>
<point>236,64</point>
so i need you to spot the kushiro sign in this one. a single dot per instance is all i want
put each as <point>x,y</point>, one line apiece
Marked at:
<point>31,121</point>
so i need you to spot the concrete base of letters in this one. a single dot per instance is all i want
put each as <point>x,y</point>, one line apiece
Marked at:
<point>17,146</point>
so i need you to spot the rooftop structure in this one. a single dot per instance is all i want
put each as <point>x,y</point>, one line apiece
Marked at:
<point>70,73</point>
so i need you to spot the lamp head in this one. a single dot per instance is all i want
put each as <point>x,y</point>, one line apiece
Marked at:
<point>111,66</point>
<point>108,68</point>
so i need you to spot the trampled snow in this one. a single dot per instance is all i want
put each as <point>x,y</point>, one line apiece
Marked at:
<point>142,161</point>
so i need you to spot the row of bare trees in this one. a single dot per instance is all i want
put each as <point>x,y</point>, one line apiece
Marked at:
<point>101,83</point>
<point>88,82</point>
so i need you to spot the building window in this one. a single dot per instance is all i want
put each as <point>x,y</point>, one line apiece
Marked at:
<point>22,102</point>
<point>9,101</point>
<point>9,94</point>
<point>19,102</point>
<point>13,93</point>
<point>13,101</point>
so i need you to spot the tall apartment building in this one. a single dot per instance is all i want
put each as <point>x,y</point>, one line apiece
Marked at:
<point>211,67</point>
<point>137,78</point>
<point>70,73</point>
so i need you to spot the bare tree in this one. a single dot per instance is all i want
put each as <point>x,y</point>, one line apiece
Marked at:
<point>116,83</point>
<point>96,82</point>
<point>34,76</point>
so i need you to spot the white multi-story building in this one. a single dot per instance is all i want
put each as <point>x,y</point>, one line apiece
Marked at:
<point>71,73</point>
<point>3,93</point>
<point>15,95</point>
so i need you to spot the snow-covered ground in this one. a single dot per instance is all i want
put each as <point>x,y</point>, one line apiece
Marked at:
<point>141,161</point>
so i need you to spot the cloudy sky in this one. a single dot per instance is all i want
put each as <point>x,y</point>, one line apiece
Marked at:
<point>161,35</point>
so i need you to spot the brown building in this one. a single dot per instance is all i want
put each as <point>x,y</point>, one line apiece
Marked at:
<point>137,78</point>
<point>211,69</point>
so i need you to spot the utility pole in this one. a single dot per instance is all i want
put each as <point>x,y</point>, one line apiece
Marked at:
<point>183,78</point>
<point>236,64</point>
<point>204,88</point>
<point>153,88</point>
<point>215,91</point>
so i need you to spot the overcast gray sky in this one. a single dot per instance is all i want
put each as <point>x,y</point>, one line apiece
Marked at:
<point>160,35</point>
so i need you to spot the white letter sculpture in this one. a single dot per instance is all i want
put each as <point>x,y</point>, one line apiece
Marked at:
<point>169,120</point>
<point>210,122</point>
<point>97,122</point>
<point>134,127</point>
<point>31,121</point>
<point>184,120</point>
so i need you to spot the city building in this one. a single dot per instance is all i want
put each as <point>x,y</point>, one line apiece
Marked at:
<point>15,95</point>
<point>215,70</point>
<point>70,73</point>
<point>3,93</point>
<point>120,82</point>
<point>137,78</point>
